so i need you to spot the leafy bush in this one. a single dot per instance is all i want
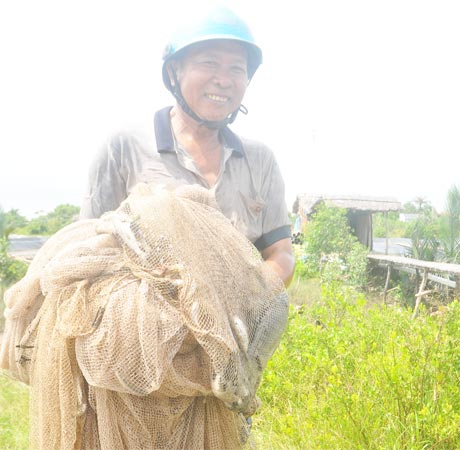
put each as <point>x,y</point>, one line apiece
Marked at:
<point>11,269</point>
<point>331,250</point>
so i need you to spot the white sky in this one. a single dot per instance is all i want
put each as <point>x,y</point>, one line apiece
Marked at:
<point>354,97</point>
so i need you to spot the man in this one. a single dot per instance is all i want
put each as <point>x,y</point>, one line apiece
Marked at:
<point>207,67</point>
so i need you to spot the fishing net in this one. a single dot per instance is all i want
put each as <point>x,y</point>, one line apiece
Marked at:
<point>148,328</point>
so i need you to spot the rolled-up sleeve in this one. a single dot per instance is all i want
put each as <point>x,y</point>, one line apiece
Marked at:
<point>275,222</point>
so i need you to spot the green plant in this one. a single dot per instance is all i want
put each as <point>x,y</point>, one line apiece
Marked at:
<point>11,269</point>
<point>424,234</point>
<point>331,250</point>
<point>349,375</point>
<point>450,227</point>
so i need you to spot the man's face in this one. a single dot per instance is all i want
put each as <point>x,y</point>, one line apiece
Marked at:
<point>213,78</point>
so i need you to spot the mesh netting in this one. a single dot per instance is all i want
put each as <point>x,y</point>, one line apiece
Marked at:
<point>148,328</point>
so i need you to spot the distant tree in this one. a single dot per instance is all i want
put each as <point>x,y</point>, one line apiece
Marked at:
<point>2,222</point>
<point>10,221</point>
<point>15,220</point>
<point>409,208</point>
<point>422,205</point>
<point>424,234</point>
<point>47,224</point>
<point>450,226</point>
<point>36,226</point>
<point>61,216</point>
<point>11,270</point>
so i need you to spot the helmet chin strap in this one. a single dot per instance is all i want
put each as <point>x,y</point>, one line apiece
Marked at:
<point>211,124</point>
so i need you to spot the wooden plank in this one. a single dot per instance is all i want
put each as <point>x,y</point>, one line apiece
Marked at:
<point>436,278</point>
<point>416,263</point>
<point>443,281</point>
<point>387,232</point>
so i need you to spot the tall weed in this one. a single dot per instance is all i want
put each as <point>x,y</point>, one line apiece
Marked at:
<point>352,376</point>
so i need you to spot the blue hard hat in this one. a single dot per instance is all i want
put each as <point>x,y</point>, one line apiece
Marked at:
<point>220,23</point>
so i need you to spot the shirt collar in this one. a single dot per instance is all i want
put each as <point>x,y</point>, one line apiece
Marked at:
<point>165,140</point>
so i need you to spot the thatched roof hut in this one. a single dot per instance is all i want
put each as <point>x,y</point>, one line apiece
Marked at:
<point>305,204</point>
<point>360,210</point>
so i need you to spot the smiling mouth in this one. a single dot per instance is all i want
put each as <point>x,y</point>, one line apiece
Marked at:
<point>217,98</point>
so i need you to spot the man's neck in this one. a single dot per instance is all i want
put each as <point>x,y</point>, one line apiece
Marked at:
<point>202,144</point>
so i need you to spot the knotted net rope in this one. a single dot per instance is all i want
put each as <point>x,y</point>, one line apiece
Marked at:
<point>148,328</point>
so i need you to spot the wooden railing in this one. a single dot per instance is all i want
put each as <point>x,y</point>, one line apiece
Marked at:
<point>441,273</point>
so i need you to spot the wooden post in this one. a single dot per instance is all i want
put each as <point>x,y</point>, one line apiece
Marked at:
<point>386,232</point>
<point>457,288</point>
<point>387,283</point>
<point>421,292</point>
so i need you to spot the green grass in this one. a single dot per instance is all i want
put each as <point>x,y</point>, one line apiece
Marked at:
<point>14,405</point>
<point>348,375</point>
<point>304,291</point>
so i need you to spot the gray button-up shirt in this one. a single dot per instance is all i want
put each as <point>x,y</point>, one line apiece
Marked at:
<point>249,189</point>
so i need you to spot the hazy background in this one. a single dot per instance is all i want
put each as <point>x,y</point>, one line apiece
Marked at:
<point>354,97</point>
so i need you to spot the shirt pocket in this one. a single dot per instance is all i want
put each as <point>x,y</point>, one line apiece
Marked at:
<point>249,220</point>
<point>252,206</point>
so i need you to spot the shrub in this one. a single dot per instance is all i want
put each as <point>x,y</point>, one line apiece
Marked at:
<point>11,270</point>
<point>331,250</point>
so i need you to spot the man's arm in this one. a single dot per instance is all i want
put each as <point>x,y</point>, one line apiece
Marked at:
<point>280,258</point>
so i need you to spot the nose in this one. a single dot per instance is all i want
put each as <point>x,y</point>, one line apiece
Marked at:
<point>223,78</point>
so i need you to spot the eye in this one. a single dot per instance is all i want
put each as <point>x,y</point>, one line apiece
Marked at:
<point>208,63</point>
<point>239,70</point>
